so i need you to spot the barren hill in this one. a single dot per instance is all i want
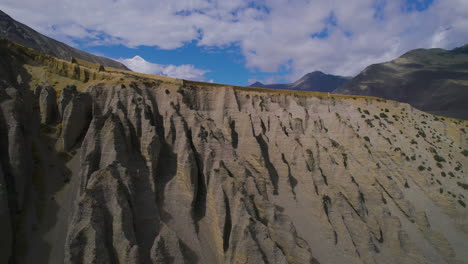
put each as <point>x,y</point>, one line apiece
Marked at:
<point>432,80</point>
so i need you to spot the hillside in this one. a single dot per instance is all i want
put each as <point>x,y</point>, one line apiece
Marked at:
<point>99,165</point>
<point>314,81</point>
<point>24,35</point>
<point>432,80</point>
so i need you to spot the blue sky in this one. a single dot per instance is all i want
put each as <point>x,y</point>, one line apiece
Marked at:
<point>223,65</point>
<point>241,41</point>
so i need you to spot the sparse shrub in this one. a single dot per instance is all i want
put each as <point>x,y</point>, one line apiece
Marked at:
<point>334,143</point>
<point>383,115</point>
<point>461,203</point>
<point>414,142</point>
<point>368,150</point>
<point>345,160</point>
<point>465,152</point>
<point>463,185</point>
<point>389,141</point>
<point>439,165</point>
<point>366,138</point>
<point>438,158</point>
<point>421,133</point>
<point>421,168</point>
<point>366,112</point>
<point>451,174</point>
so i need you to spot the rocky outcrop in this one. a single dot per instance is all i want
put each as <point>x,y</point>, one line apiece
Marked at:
<point>65,97</point>
<point>76,118</point>
<point>245,175</point>
<point>16,146</point>
<point>48,105</point>
<point>15,166</point>
<point>130,159</point>
<point>149,170</point>
<point>6,227</point>
<point>37,91</point>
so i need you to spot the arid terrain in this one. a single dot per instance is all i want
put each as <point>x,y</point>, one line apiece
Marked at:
<point>100,165</point>
<point>432,80</point>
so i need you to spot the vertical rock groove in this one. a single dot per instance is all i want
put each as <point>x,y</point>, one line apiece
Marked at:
<point>227,224</point>
<point>269,166</point>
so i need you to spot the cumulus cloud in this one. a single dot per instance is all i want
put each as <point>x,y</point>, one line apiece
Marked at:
<point>185,71</point>
<point>339,37</point>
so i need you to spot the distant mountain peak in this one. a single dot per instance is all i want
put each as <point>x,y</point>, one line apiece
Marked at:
<point>315,73</point>
<point>3,14</point>
<point>316,81</point>
<point>462,49</point>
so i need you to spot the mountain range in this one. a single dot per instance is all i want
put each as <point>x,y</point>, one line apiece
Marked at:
<point>315,81</point>
<point>432,80</point>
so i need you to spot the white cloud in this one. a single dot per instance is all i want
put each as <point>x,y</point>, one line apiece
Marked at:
<point>270,33</point>
<point>185,71</point>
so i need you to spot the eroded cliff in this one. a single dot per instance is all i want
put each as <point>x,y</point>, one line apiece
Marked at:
<point>107,166</point>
